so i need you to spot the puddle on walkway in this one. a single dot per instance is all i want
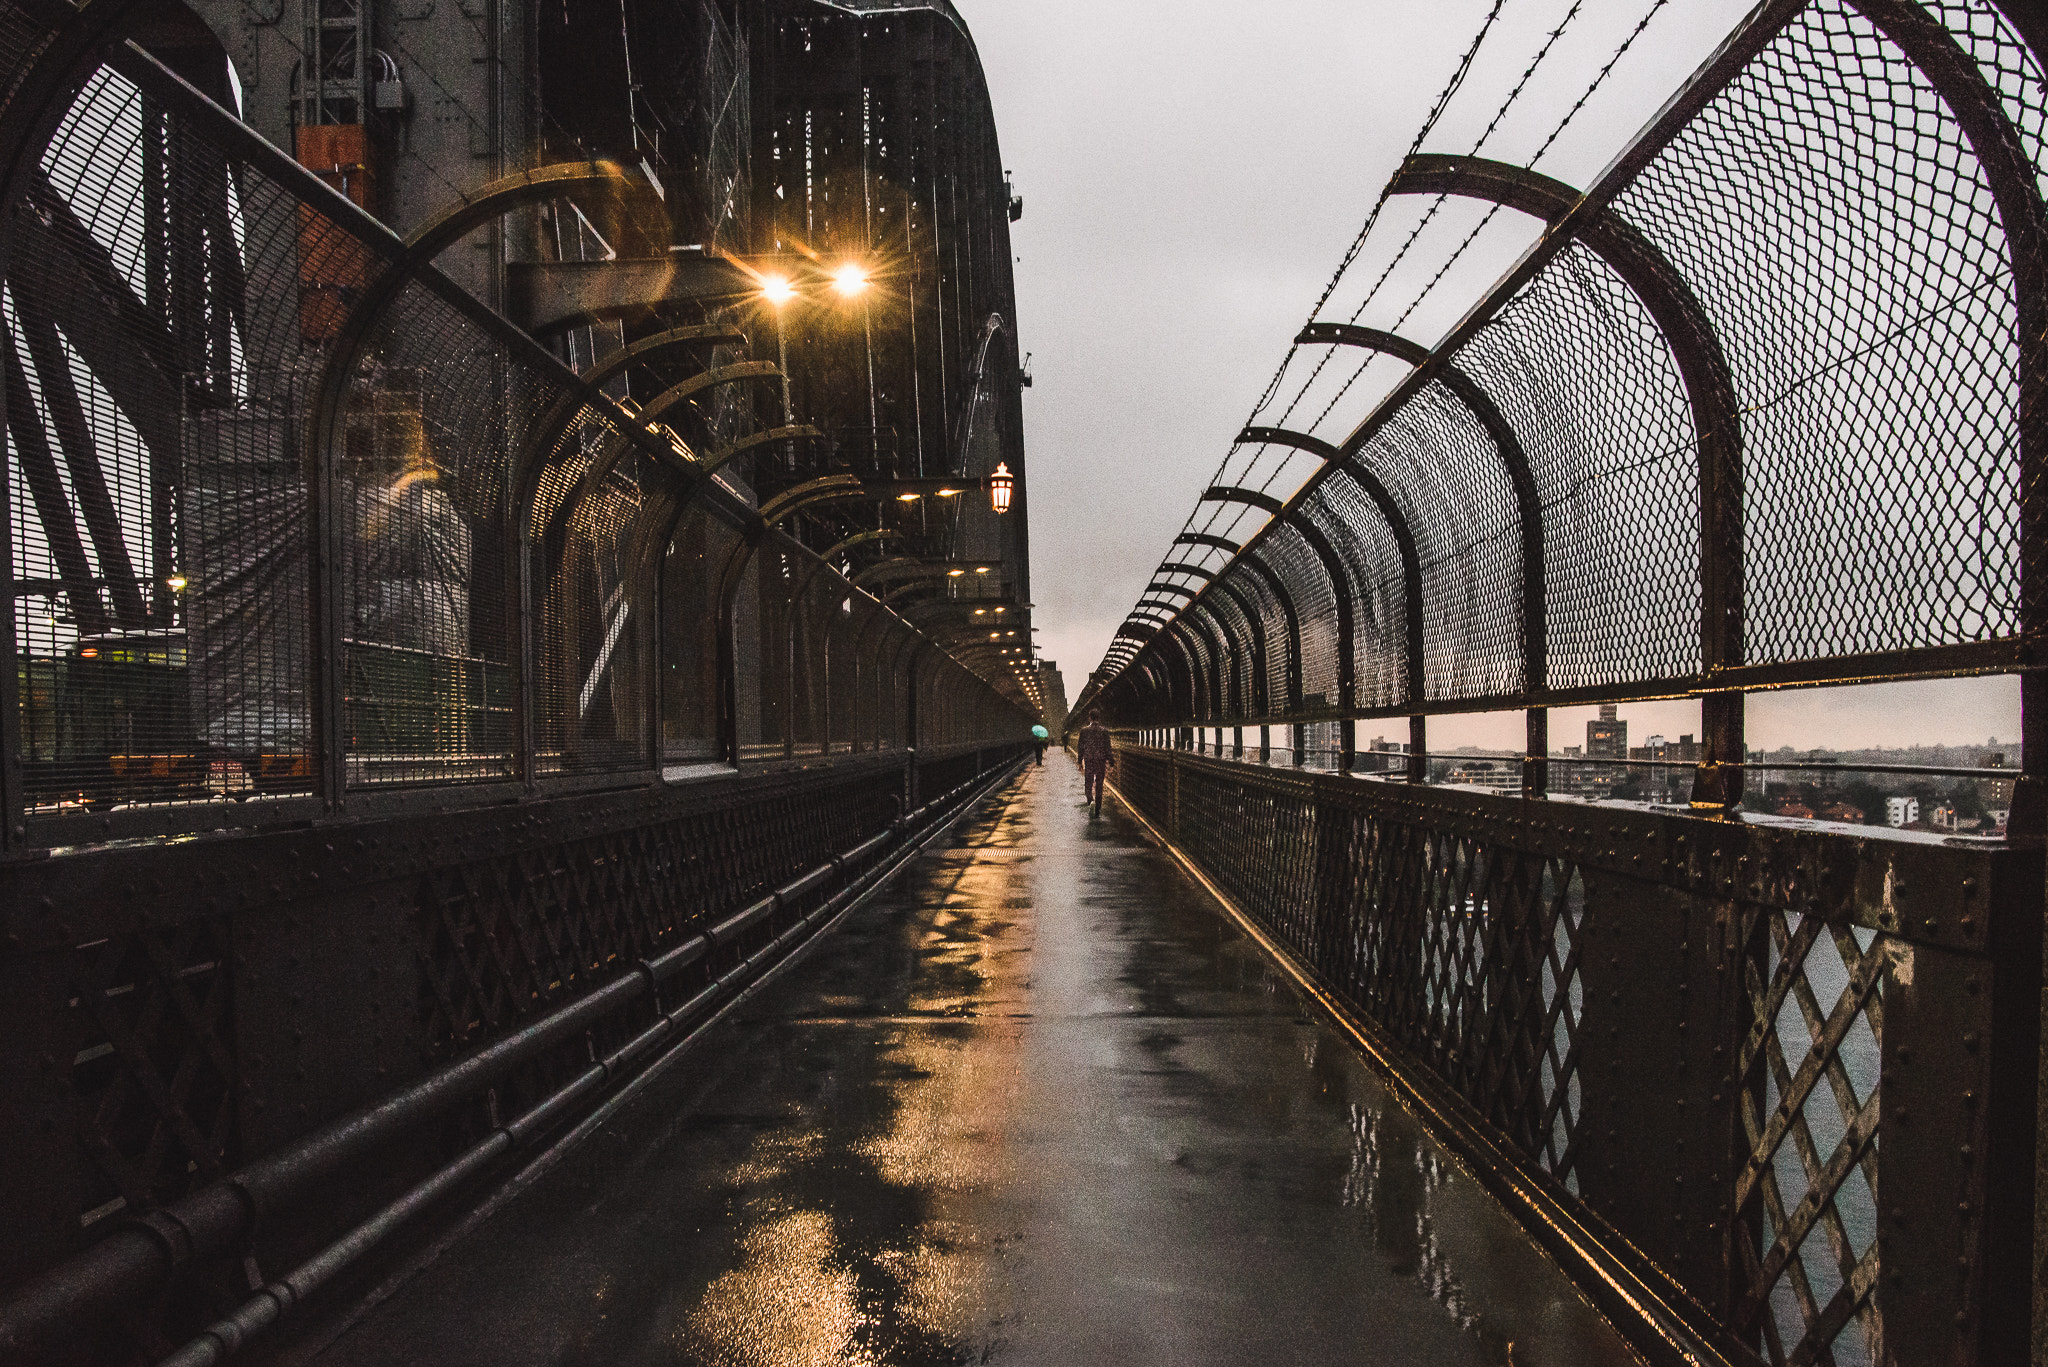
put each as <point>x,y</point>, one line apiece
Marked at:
<point>1039,1105</point>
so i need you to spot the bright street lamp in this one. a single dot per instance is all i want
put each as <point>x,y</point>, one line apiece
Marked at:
<point>777,289</point>
<point>999,486</point>
<point>850,279</point>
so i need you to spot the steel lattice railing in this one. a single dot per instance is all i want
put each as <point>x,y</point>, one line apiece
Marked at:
<point>1788,1099</point>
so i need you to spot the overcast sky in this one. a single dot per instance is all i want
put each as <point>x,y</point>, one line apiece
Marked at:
<point>1194,171</point>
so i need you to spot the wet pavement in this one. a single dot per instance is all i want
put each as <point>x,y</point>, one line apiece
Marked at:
<point>1037,1104</point>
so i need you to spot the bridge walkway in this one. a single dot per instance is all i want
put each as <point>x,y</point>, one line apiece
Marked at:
<point>1039,1103</point>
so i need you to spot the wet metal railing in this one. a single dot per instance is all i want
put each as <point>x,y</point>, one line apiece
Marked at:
<point>1784,1074</point>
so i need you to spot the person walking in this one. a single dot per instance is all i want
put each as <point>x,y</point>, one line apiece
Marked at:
<point>1097,759</point>
<point>1039,736</point>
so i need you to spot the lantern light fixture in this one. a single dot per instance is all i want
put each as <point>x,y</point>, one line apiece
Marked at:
<point>1000,486</point>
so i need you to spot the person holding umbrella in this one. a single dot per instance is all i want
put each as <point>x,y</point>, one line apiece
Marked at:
<point>1041,736</point>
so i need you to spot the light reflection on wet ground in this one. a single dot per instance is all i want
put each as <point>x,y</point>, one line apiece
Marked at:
<point>1037,1105</point>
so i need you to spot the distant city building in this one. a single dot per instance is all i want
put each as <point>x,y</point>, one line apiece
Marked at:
<point>1674,783</point>
<point>1606,738</point>
<point>1995,792</point>
<point>1795,808</point>
<point>1843,811</point>
<point>1387,749</point>
<point>1502,775</point>
<point>1900,810</point>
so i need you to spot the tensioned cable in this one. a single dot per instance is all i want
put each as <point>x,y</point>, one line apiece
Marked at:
<point>1598,80</point>
<point>1358,243</point>
<point>1443,100</point>
<point>1565,122</point>
<point>1237,513</point>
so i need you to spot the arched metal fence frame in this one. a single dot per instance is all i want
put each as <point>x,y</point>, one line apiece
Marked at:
<point>530,637</point>
<point>1765,407</point>
<point>1715,230</point>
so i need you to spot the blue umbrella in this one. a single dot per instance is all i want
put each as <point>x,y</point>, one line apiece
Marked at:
<point>1041,733</point>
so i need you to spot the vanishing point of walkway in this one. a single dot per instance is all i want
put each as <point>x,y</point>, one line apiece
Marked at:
<point>1038,1104</point>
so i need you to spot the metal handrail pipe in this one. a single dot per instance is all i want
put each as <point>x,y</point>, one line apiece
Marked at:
<point>140,1259</point>
<point>226,1336</point>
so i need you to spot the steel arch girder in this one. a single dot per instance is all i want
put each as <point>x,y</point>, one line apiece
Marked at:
<point>501,196</point>
<point>1204,539</point>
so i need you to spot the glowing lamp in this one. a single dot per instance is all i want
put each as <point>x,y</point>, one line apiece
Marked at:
<point>850,280</point>
<point>177,583</point>
<point>777,290</point>
<point>1000,485</point>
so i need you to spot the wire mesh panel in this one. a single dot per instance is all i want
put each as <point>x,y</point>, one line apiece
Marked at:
<point>810,660</point>
<point>589,704</point>
<point>1829,212</point>
<point>687,666</point>
<point>1456,495</point>
<point>1371,558</point>
<point>419,480</point>
<point>1587,382</point>
<point>1315,607</point>
<point>1272,622</point>
<point>1234,629</point>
